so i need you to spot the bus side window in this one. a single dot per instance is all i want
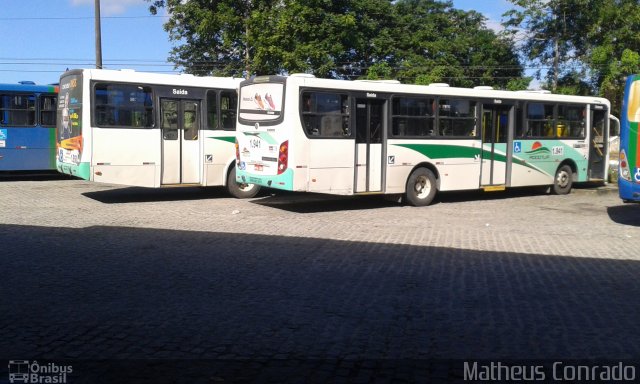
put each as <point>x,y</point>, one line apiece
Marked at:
<point>212,110</point>
<point>48,110</point>
<point>4,113</point>
<point>573,121</point>
<point>331,125</point>
<point>228,105</point>
<point>521,126</point>
<point>127,106</point>
<point>325,114</point>
<point>412,117</point>
<point>21,110</point>
<point>539,120</point>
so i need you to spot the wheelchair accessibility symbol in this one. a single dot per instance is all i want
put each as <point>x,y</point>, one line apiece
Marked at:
<point>517,147</point>
<point>636,175</point>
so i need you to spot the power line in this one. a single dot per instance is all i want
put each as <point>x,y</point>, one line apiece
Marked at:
<point>67,59</point>
<point>83,18</point>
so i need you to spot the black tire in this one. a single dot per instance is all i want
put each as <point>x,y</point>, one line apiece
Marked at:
<point>241,191</point>
<point>563,181</point>
<point>421,187</point>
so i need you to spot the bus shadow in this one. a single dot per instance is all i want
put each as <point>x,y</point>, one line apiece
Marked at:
<point>145,195</point>
<point>627,214</point>
<point>475,195</point>
<point>34,176</point>
<point>300,202</point>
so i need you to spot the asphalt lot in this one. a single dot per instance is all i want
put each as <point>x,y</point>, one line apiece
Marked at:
<point>189,285</point>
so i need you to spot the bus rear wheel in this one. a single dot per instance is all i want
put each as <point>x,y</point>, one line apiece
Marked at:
<point>563,181</point>
<point>421,187</point>
<point>240,190</point>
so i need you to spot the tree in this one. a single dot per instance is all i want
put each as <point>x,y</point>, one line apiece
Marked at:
<point>336,39</point>
<point>613,46</point>
<point>585,46</point>
<point>211,36</point>
<point>437,43</point>
<point>549,31</point>
<point>412,40</point>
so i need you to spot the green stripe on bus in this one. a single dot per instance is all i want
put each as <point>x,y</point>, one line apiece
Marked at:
<point>52,145</point>
<point>440,151</point>
<point>443,151</point>
<point>632,155</point>
<point>229,139</point>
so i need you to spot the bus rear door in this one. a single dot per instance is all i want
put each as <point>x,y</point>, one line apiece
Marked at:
<point>496,125</point>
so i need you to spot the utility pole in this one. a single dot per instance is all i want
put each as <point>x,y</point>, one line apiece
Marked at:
<point>98,35</point>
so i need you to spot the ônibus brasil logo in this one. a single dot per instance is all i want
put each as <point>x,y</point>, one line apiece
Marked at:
<point>538,151</point>
<point>23,371</point>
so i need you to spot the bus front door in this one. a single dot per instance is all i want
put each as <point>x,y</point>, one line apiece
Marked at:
<point>369,147</point>
<point>496,123</point>
<point>180,124</point>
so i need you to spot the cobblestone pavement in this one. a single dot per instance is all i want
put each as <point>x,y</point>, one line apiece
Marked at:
<point>351,289</point>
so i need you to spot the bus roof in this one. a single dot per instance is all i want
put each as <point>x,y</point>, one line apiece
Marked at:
<point>25,87</point>
<point>131,76</point>
<point>432,89</point>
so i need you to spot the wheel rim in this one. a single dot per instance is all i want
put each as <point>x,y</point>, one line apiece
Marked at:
<point>245,187</point>
<point>562,179</point>
<point>422,187</point>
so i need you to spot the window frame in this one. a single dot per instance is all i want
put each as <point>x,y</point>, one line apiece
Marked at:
<point>554,122</point>
<point>345,112</point>
<point>41,110</point>
<point>33,111</point>
<point>432,119</point>
<point>437,118</point>
<point>152,110</point>
<point>218,123</point>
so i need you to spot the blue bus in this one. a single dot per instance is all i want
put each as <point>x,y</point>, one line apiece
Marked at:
<point>629,161</point>
<point>27,126</point>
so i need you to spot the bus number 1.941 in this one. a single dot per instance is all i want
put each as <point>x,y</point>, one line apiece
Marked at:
<point>254,143</point>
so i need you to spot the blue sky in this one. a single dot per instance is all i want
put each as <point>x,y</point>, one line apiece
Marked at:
<point>42,38</point>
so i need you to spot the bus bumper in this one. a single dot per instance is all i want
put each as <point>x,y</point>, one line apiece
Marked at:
<point>283,181</point>
<point>628,191</point>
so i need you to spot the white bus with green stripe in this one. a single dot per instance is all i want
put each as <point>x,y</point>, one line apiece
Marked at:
<point>148,129</point>
<point>301,133</point>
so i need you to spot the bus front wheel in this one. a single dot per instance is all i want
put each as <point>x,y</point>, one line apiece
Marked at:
<point>563,181</point>
<point>240,190</point>
<point>421,187</point>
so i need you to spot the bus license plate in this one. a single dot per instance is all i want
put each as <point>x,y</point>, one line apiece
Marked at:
<point>258,167</point>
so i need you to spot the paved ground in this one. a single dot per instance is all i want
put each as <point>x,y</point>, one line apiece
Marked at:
<point>189,284</point>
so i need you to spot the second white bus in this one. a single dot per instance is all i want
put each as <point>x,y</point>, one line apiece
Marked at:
<point>147,129</point>
<point>301,133</point>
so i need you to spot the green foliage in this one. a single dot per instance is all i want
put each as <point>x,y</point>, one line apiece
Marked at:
<point>415,41</point>
<point>589,46</point>
<point>550,32</point>
<point>379,71</point>
<point>518,84</point>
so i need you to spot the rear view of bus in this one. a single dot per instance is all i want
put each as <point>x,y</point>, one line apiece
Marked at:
<point>629,172</point>
<point>262,147</point>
